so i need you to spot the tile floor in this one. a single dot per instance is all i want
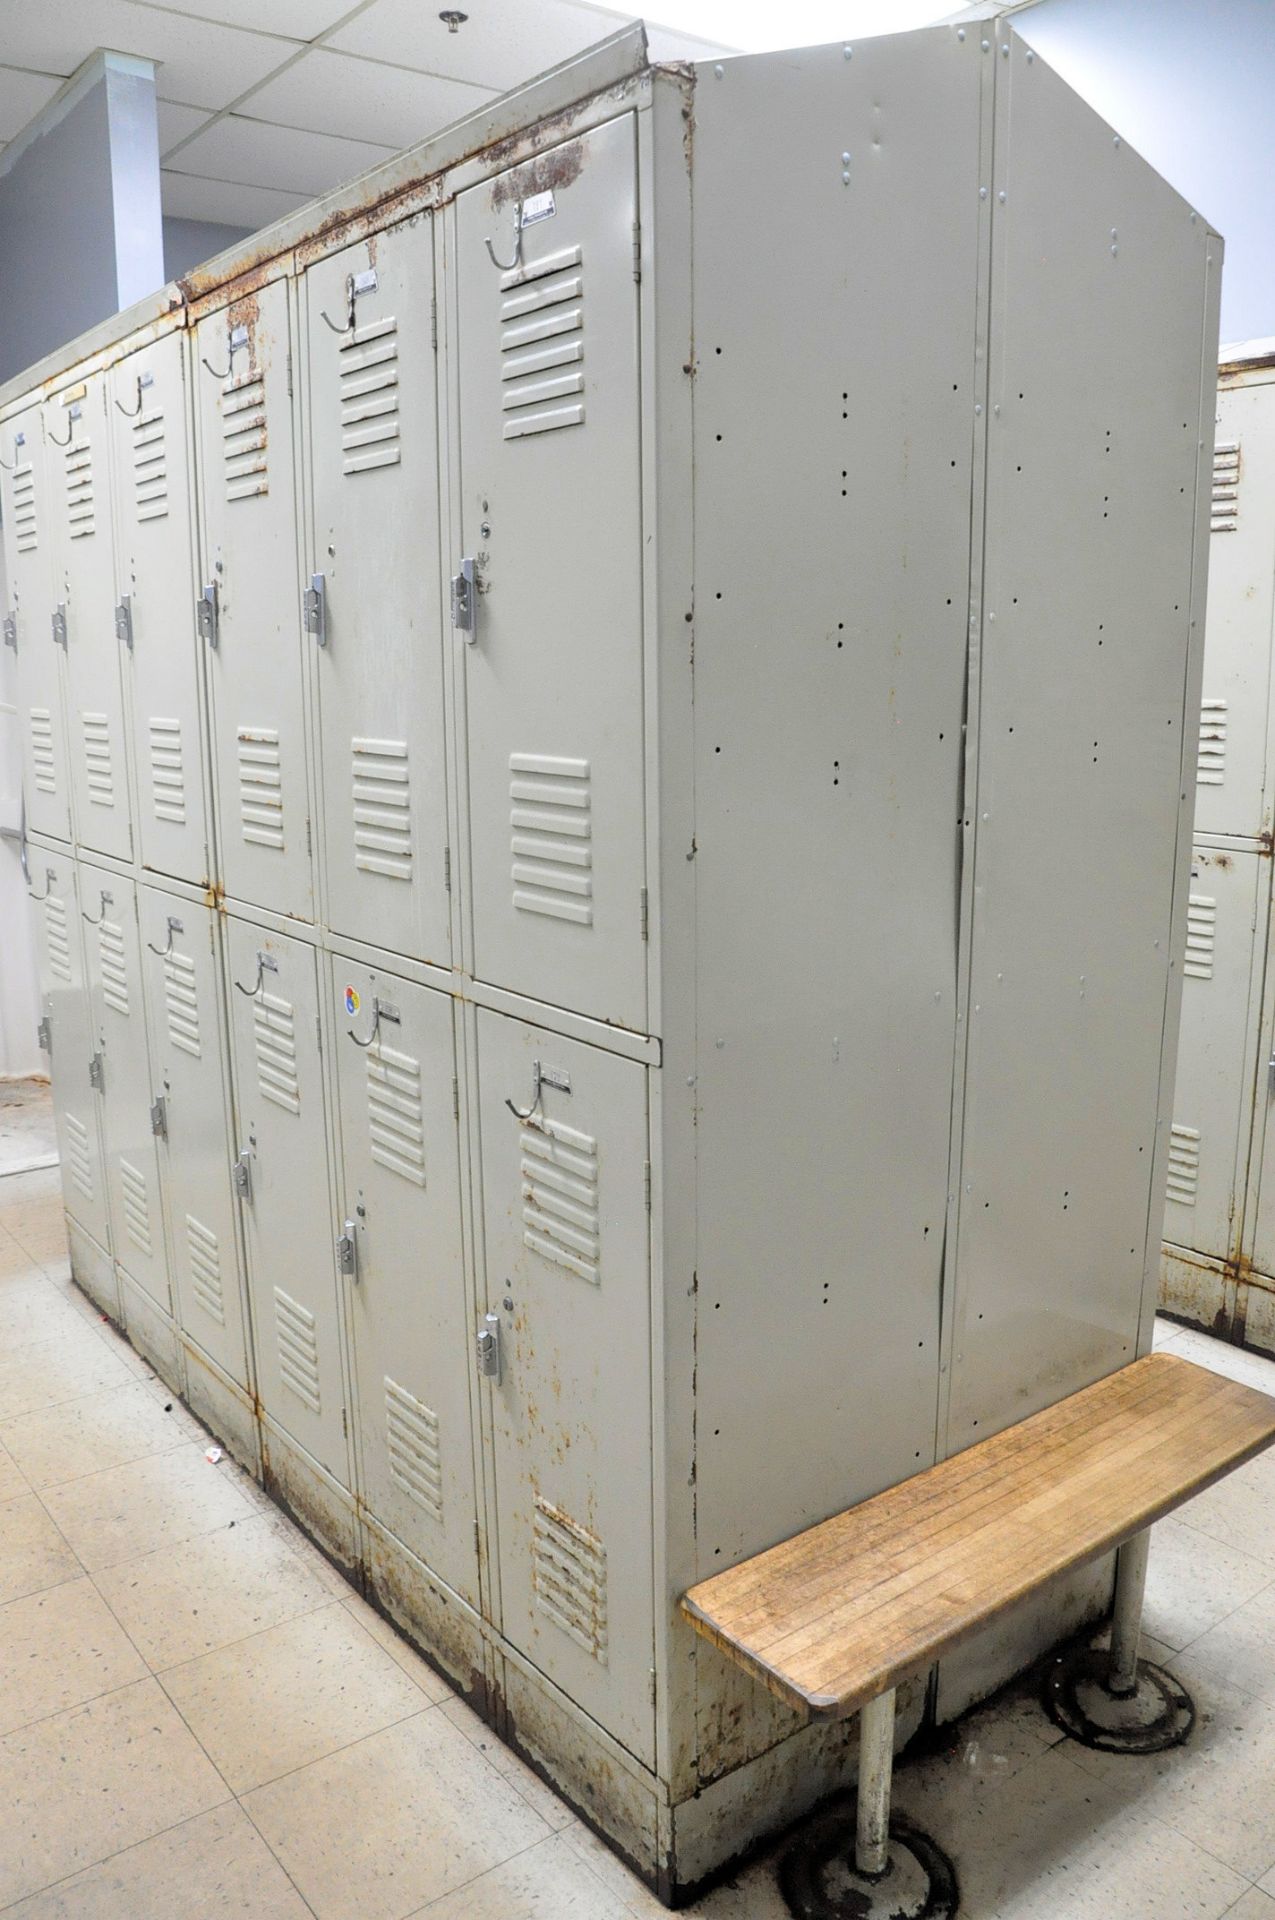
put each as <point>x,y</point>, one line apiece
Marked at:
<point>198,1719</point>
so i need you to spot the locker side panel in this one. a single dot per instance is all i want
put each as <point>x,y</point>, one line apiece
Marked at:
<point>288,1217</point>
<point>149,423</point>
<point>568,1278</point>
<point>64,994</point>
<point>29,535</point>
<point>373,448</point>
<point>78,453</point>
<point>409,1302</point>
<point>253,642</point>
<point>187,1041</point>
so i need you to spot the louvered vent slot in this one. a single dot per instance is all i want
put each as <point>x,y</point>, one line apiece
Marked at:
<point>42,762</point>
<point>297,1343</point>
<point>205,1269</point>
<point>551,836</point>
<point>560,1196</point>
<point>150,466</point>
<point>1210,770</point>
<point>411,1430</point>
<point>77,1151</point>
<point>181,1003</point>
<point>1201,931</point>
<point>137,1213</point>
<point>1184,1164</point>
<point>395,1121</point>
<point>243,437</point>
<point>369,397</point>
<point>1226,486</point>
<point>110,948</point>
<point>26,532</point>
<point>542,345</point>
<point>78,465</point>
<point>569,1578</point>
<point>168,775</point>
<point>274,1035</point>
<point>99,767</point>
<point>58,936</point>
<point>382,808</point>
<point>260,787</point>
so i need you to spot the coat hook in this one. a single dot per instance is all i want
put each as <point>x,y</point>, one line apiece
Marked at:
<point>349,301</point>
<point>10,466</point>
<point>107,900</point>
<point>512,265</point>
<point>521,1113</point>
<point>265,964</point>
<point>70,429</point>
<point>49,878</point>
<point>380,1012</point>
<point>174,926</point>
<point>130,413</point>
<point>233,345</point>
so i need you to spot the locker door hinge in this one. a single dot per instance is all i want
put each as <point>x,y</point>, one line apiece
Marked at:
<point>488,1346</point>
<point>159,1118</point>
<point>318,1031</point>
<point>289,373</point>
<point>455,1097</point>
<point>44,1034</point>
<point>314,608</point>
<point>207,614</point>
<point>433,322</point>
<point>345,1424</point>
<point>243,1175</point>
<point>97,1073</point>
<point>347,1250</point>
<point>11,631</point>
<point>309,839</point>
<point>646,1184</point>
<point>651,1684</point>
<point>124,621</point>
<point>59,626</point>
<point>637,250</point>
<point>447,869</point>
<point>646,915</point>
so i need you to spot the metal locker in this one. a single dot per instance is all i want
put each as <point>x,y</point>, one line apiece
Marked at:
<point>373,596</point>
<point>1232,774</point>
<point>69,1038</point>
<point>399,1246</point>
<point>281,1173</point>
<point>155,620</point>
<point>193,1124</point>
<point>547,596</point>
<point>108,908</point>
<point>29,625</point>
<point>77,448</point>
<point>564,1342</point>
<point>1213,1095</point>
<point>248,606</point>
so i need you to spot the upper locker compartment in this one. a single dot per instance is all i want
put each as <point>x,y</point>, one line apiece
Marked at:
<point>154,616</point>
<point>249,609</point>
<point>28,623</point>
<point>373,612</point>
<point>551,536</point>
<point>77,463</point>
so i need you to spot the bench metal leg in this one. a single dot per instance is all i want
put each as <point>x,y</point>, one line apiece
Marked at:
<point>1126,1622</point>
<point>876,1769</point>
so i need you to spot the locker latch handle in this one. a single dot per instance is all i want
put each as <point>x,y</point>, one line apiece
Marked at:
<point>1270,1078</point>
<point>207,614</point>
<point>314,608</point>
<point>465,600</point>
<point>488,1347</point>
<point>97,1074</point>
<point>44,1034</point>
<point>242,1174</point>
<point>11,631</point>
<point>59,626</point>
<point>124,621</point>
<point>347,1250</point>
<point>159,1118</point>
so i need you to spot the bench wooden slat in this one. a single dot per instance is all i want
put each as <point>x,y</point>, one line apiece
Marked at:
<point>847,1609</point>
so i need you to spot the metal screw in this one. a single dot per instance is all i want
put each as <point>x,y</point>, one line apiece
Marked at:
<point>1005,51</point>
<point>848,53</point>
<point>1115,140</point>
<point>1030,58</point>
<point>1001,196</point>
<point>845,159</point>
<point>978,406</point>
<point>845,179</point>
<point>718,72</point>
<point>507,1304</point>
<point>960,33</point>
<point>982,193</point>
<point>986,45</point>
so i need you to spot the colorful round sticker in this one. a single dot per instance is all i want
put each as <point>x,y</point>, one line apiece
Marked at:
<point>352,1001</point>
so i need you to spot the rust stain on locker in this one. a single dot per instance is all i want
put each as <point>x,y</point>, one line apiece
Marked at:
<point>546,173</point>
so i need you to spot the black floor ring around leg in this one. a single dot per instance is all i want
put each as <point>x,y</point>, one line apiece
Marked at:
<point>1159,1714</point>
<point>818,1880</point>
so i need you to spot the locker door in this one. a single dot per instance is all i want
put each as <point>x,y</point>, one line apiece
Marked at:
<point>72,1046</point>
<point>148,420</point>
<point>288,1213</point>
<point>374,538</point>
<point>111,950</point>
<point>77,446</point>
<point>29,536</point>
<point>551,506</point>
<point>249,559</point>
<point>183,995</point>
<point>409,1301</point>
<point>1213,1095</point>
<point>568,1274</point>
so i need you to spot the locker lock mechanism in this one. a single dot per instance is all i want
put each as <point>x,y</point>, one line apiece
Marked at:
<point>208,614</point>
<point>44,1034</point>
<point>488,1348</point>
<point>11,631</point>
<point>124,621</point>
<point>59,626</point>
<point>242,1174</point>
<point>159,1118</point>
<point>314,609</point>
<point>347,1250</point>
<point>97,1072</point>
<point>465,600</point>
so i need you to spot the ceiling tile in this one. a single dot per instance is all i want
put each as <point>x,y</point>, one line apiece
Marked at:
<point>502,43</point>
<point>259,154</point>
<point>177,122</point>
<point>299,19</point>
<point>358,97</point>
<point>189,198</point>
<point>21,97</point>
<point>200,63</point>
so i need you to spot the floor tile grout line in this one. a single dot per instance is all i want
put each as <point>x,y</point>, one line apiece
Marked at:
<point>134,1460</point>
<point>51,1886</point>
<point>305,1613</point>
<point>318,1759</point>
<point>519,1853</point>
<point>270,1849</point>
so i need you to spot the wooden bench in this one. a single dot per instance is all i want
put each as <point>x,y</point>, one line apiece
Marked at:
<point>836,1617</point>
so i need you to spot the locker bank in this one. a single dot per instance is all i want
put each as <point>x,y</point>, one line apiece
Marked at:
<point>602,865</point>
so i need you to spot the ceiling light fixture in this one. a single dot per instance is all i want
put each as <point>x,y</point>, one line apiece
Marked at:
<point>452,19</point>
